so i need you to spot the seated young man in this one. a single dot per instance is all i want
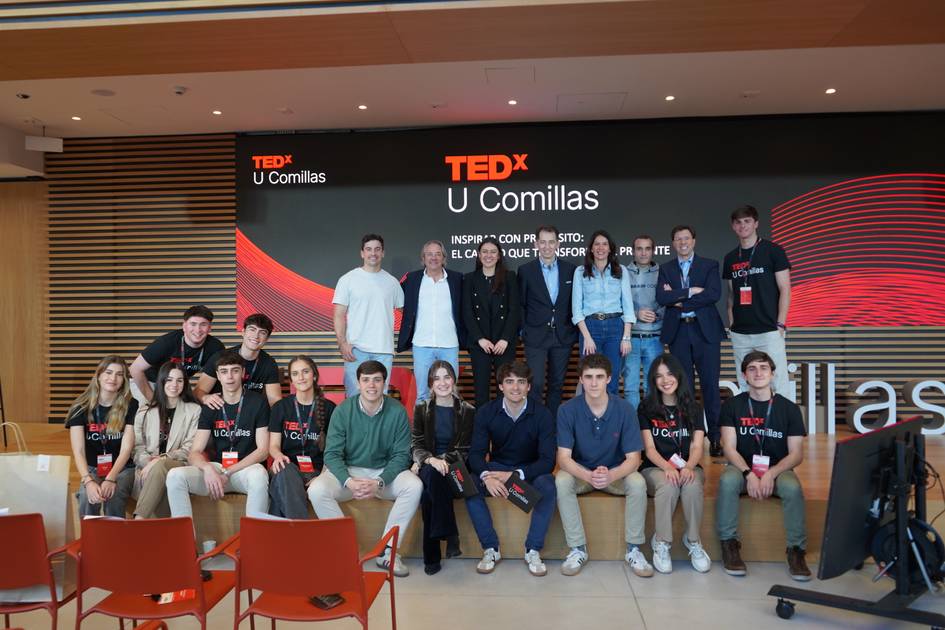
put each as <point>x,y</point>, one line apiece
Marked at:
<point>229,450</point>
<point>190,347</point>
<point>368,455</point>
<point>599,446</point>
<point>517,434</point>
<point>763,439</point>
<point>260,374</point>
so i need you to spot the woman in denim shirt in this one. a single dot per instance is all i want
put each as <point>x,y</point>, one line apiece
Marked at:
<point>602,305</point>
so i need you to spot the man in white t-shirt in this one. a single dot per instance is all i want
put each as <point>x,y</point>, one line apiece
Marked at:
<point>365,299</point>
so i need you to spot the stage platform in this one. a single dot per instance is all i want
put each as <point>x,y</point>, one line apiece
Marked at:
<point>760,526</point>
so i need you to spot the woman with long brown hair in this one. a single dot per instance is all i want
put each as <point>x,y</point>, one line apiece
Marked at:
<point>491,313</point>
<point>297,429</point>
<point>101,430</point>
<point>164,433</point>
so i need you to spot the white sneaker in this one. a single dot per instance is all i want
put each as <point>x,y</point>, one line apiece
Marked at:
<point>575,561</point>
<point>535,566</point>
<point>661,560</point>
<point>701,561</point>
<point>490,558</point>
<point>400,570</point>
<point>638,563</point>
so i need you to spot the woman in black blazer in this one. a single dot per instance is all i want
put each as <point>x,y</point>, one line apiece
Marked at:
<point>491,314</point>
<point>441,434</point>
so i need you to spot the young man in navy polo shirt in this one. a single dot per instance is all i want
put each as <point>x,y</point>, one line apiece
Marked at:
<point>517,433</point>
<point>599,448</point>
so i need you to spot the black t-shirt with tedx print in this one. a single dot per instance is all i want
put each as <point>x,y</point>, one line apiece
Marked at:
<point>671,433</point>
<point>754,269</point>
<point>172,347</point>
<point>298,424</point>
<point>233,428</point>
<point>257,373</point>
<point>759,432</point>
<point>98,441</point>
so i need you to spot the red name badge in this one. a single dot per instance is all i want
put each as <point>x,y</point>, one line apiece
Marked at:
<point>760,465</point>
<point>744,296</point>
<point>229,458</point>
<point>305,463</point>
<point>177,596</point>
<point>677,461</point>
<point>104,465</point>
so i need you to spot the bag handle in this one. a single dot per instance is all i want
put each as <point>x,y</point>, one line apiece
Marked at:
<point>17,435</point>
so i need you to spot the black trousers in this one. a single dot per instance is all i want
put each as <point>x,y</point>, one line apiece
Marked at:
<point>288,497</point>
<point>483,367</point>
<point>694,351</point>
<point>554,361</point>
<point>436,507</point>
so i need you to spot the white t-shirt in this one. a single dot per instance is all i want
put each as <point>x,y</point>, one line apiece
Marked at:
<point>371,299</point>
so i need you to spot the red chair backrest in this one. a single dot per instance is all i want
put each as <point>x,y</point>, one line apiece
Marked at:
<point>23,540</point>
<point>141,556</point>
<point>304,557</point>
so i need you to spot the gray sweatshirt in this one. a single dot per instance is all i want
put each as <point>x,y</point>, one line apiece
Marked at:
<point>643,289</point>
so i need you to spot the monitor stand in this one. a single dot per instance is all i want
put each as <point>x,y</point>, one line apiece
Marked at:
<point>894,605</point>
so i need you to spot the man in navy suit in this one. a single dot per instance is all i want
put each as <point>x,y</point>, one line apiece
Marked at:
<point>432,319</point>
<point>547,331</point>
<point>689,286</point>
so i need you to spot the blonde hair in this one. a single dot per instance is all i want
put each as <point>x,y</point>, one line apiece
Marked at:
<point>88,400</point>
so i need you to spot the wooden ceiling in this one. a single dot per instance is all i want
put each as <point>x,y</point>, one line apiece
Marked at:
<point>399,34</point>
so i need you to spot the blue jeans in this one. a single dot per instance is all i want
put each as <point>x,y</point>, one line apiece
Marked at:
<point>351,369</point>
<point>541,515</point>
<point>606,334</point>
<point>644,351</point>
<point>423,358</point>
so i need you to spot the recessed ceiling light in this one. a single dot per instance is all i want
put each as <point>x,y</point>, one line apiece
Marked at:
<point>76,118</point>
<point>217,112</point>
<point>670,98</point>
<point>362,107</point>
<point>22,95</point>
<point>513,102</point>
<point>103,92</point>
<point>830,91</point>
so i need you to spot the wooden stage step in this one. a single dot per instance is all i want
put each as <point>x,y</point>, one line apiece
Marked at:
<point>760,526</point>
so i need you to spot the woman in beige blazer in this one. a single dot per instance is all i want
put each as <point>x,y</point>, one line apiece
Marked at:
<point>164,432</point>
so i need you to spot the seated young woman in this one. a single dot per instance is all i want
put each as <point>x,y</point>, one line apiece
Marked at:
<point>101,430</point>
<point>441,433</point>
<point>298,426</point>
<point>672,426</point>
<point>164,433</point>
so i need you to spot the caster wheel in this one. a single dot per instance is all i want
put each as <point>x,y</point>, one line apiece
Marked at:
<point>785,609</point>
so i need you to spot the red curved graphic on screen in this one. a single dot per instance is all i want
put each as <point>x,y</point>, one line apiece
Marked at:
<point>866,251</point>
<point>295,303</point>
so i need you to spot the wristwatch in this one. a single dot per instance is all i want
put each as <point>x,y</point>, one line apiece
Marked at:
<point>746,472</point>
<point>626,339</point>
<point>380,484</point>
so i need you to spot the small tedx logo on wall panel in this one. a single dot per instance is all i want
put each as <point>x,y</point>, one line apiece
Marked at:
<point>280,170</point>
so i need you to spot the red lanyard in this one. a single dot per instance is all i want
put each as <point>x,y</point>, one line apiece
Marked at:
<point>751,412</point>
<point>308,421</point>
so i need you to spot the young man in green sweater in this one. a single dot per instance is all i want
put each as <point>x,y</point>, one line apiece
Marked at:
<point>367,455</point>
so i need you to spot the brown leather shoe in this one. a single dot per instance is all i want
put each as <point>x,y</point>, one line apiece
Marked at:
<point>732,557</point>
<point>797,566</point>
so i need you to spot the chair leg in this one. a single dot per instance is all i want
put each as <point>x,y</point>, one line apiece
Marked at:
<point>6,621</point>
<point>273,620</point>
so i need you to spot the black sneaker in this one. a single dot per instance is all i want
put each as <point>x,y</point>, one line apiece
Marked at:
<point>715,448</point>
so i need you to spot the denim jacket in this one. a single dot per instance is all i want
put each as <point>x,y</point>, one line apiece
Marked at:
<point>601,293</point>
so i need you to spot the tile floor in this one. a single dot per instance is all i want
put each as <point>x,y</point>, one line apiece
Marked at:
<point>604,596</point>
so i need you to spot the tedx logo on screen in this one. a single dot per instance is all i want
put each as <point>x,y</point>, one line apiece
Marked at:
<point>280,169</point>
<point>474,168</point>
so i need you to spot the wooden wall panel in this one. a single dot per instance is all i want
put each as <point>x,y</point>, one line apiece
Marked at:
<point>139,229</point>
<point>142,228</point>
<point>22,299</point>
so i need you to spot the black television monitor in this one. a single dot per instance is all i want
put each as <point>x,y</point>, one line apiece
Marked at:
<point>854,489</point>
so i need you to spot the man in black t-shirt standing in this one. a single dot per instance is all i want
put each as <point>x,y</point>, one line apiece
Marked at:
<point>758,275</point>
<point>260,374</point>
<point>763,438</point>
<point>190,348</point>
<point>229,448</point>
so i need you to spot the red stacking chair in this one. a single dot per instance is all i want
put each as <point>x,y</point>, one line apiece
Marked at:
<point>314,557</point>
<point>26,562</point>
<point>130,558</point>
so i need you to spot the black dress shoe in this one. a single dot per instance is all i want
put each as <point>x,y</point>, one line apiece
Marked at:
<point>715,449</point>
<point>432,569</point>
<point>452,547</point>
